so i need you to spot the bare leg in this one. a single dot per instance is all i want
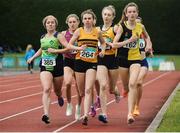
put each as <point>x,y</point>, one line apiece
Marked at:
<point>134,72</point>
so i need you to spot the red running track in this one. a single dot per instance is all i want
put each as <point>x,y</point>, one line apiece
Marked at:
<point>21,107</point>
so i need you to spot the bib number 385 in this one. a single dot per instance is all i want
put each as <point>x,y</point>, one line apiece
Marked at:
<point>48,62</point>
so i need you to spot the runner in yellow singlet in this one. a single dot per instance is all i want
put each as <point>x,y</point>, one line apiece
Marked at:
<point>143,70</point>
<point>107,70</point>
<point>86,60</point>
<point>129,56</point>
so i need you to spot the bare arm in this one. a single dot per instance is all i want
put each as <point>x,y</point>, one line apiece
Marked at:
<point>117,44</point>
<point>148,41</point>
<point>73,40</point>
<point>103,44</point>
<point>62,39</point>
<point>116,28</point>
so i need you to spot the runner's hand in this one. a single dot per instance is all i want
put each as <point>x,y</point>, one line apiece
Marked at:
<point>83,47</point>
<point>51,50</point>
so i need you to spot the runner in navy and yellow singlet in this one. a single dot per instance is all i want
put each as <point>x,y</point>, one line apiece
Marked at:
<point>129,56</point>
<point>86,60</point>
<point>144,67</point>
<point>51,64</point>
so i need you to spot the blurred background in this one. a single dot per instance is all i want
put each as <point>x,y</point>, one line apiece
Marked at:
<point>21,24</point>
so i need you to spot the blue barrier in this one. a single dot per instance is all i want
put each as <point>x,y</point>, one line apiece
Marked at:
<point>155,61</point>
<point>9,62</point>
<point>17,62</point>
<point>36,61</point>
<point>21,62</point>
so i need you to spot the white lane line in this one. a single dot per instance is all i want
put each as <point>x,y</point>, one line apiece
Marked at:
<point>69,124</point>
<point>18,79</point>
<point>159,116</point>
<point>155,78</point>
<point>36,108</point>
<point>19,83</point>
<point>23,88</point>
<point>30,110</point>
<point>11,116</point>
<point>17,98</point>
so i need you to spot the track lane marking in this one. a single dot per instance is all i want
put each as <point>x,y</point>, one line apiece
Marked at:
<point>29,110</point>
<point>69,124</point>
<point>23,88</point>
<point>148,82</point>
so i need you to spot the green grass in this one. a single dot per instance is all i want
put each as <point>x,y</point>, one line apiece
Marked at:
<point>171,119</point>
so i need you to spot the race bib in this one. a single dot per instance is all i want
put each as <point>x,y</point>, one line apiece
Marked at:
<point>74,52</point>
<point>48,62</point>
<point>141,43</point>
<point>132,45</point>
<point>88,53</point>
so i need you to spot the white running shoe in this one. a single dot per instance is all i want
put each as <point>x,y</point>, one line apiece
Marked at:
<point>69,109</point>
<point>78,112</point>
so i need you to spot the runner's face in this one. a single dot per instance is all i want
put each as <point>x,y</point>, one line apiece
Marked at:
<point>131,13</point>
<point>88,20</point>
<point>50,24</point>
<point>107,16</point>
<point>73,23</point>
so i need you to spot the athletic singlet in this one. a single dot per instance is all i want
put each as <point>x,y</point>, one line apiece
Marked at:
<point>130,51</point>
<point>91,41</point>
<point>72,53</point>
<point>49,59</point>
<point>108,36</point>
